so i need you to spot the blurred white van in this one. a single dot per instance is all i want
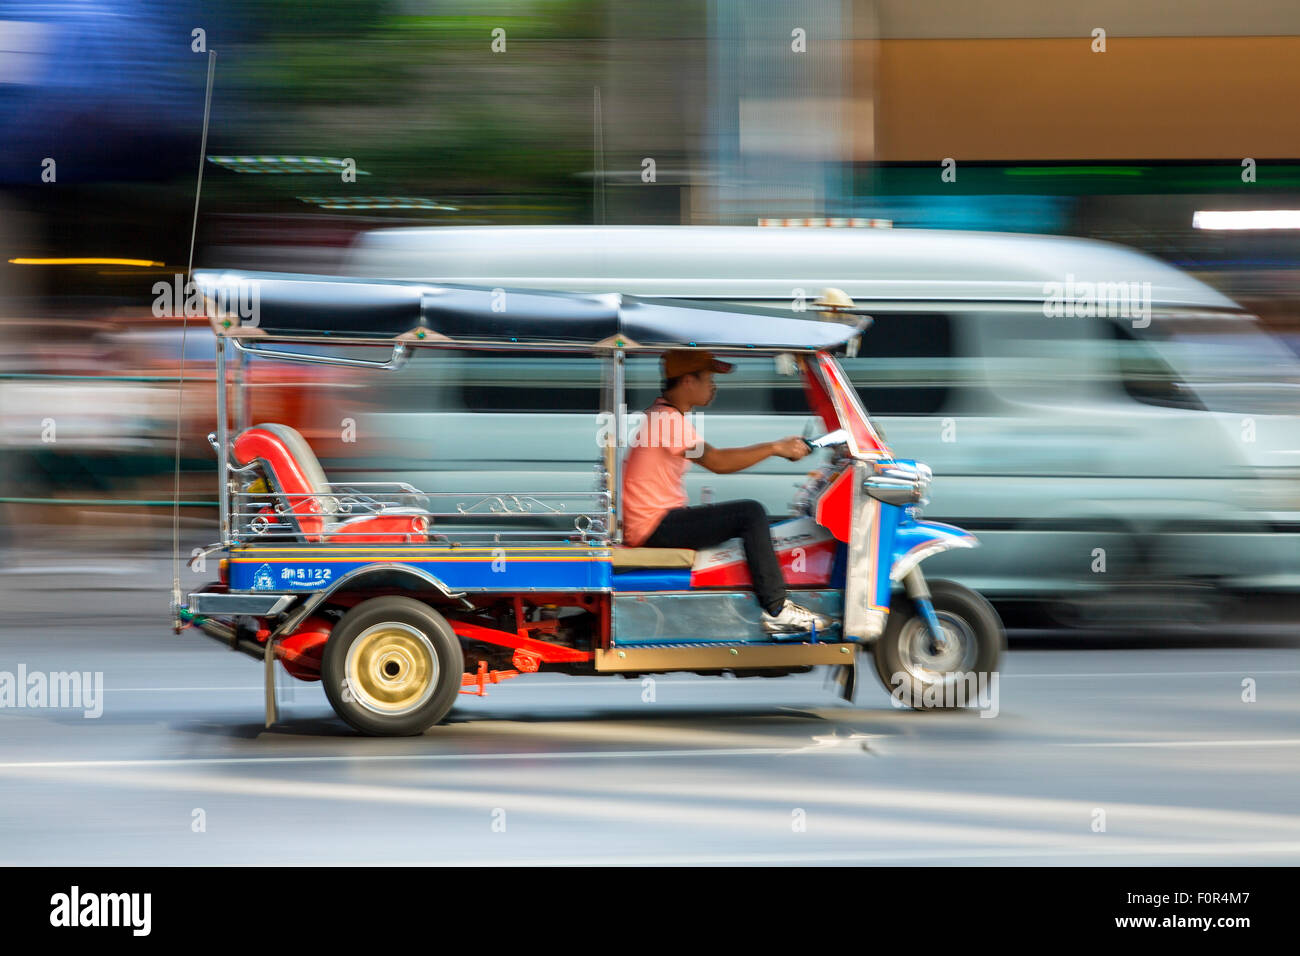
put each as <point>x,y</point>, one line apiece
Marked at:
<point>1121,436</point>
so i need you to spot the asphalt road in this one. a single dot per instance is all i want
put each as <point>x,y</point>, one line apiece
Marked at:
<point>1112,749</point>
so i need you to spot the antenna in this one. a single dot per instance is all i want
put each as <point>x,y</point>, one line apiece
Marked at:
<point>598,181</point>
<point>180,384</point>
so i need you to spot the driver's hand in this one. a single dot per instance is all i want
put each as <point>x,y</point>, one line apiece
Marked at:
<point>791,449</point>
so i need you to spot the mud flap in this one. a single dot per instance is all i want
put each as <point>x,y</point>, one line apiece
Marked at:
<point>268,668</point>
<point>845,679</point>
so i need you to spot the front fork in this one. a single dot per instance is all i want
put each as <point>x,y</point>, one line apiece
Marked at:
<point>914,582</point>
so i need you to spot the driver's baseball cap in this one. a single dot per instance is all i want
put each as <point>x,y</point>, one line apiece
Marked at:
<point>684,361</point>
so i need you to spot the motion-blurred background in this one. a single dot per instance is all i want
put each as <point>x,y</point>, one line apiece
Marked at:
<point>1102,120</point>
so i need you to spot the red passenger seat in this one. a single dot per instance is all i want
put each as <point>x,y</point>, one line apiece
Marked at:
<point>294,473</point>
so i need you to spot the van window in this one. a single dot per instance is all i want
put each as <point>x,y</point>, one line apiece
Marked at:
<point>1146,377</point>
<point>524,382</point>
<point>754,388</point>
<point>1027,356</point>
<point>1222,362</point>
<point>486,381</point>
<point>905,365</point>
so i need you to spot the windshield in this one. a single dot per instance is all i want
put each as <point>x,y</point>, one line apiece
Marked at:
<point>1229,362</point>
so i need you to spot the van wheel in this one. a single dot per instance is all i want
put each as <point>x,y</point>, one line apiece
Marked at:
<point>392,667</point>
<point>919,673</point>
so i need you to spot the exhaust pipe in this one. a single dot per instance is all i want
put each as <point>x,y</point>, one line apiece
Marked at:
<point>225,634</point>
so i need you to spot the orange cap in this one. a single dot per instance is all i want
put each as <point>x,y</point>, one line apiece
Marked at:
<point>684,361</point>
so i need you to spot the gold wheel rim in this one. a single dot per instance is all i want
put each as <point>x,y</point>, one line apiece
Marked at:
<point>391,669</point>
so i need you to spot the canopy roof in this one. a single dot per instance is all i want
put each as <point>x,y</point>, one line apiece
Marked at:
<point>311,307</point>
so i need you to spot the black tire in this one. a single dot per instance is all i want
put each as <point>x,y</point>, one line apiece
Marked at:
<point>392,667</point>
<point>977,642</point>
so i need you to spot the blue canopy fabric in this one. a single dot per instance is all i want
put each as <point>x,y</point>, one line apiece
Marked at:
<point>307,306</point>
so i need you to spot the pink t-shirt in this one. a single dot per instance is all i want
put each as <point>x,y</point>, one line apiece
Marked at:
<point>652,474</point>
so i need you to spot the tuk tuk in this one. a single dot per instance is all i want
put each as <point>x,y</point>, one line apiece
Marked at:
<point>400,599</point>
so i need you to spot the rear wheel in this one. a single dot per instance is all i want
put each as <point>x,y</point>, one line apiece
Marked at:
<point>924,674</point>
<point>392,667</point>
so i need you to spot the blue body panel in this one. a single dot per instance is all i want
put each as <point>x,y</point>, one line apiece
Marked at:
<point>840,566</point>
<point>503,569</point>
<point>891,517</point>
<point>697,618</point>
<point>909,535</point>
<point>653,579</point>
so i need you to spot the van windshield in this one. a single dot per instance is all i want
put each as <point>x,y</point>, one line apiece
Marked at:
<point>1229,362</point>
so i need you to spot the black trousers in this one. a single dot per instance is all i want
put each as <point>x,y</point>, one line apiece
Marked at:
<point>706,525</point>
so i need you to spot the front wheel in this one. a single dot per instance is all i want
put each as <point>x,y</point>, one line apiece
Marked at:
<point>392,667</point>
<point>957,672</point>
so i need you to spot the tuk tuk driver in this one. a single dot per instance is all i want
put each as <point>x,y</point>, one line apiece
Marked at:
<point>656,510</point>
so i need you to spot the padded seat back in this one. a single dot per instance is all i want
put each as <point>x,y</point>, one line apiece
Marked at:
<point>293,470</point>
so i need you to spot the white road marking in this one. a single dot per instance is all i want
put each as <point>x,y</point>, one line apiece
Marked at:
<point>381,758</point>
<point>1068,812</point>
<point>1274,742</point>
<point>1245,671</point>
<point>635,686</point>
<point>639,812</point>
<point>62,569</point>
<point>853,742</point>
<point>178,690</point>
<point>832,856</point>
<point>635,786</point>
<point>1228,850</point>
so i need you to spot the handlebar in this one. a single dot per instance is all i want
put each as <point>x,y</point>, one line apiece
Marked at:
<point>837,437</point>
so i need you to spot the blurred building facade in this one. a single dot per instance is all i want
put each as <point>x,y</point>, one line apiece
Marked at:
<point>1106,119</point>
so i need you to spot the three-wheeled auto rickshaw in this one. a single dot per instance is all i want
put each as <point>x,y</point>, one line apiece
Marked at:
<point>399,599</point>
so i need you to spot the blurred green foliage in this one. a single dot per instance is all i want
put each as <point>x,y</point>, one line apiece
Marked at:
<point>416,94</point>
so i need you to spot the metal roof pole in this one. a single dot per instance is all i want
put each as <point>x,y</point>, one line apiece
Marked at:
<point>242,412</point>
<point>223,450</point>
<point>620,406</point>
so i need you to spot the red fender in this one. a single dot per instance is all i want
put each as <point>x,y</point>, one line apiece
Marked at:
<point>301,651</point>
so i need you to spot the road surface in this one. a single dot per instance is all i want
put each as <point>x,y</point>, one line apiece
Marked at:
<point>1115,749</point>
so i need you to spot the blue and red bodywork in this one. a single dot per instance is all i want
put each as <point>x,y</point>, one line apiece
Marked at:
<point>850,549</point>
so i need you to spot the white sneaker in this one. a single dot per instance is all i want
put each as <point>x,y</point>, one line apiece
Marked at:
<point>793,619</point>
